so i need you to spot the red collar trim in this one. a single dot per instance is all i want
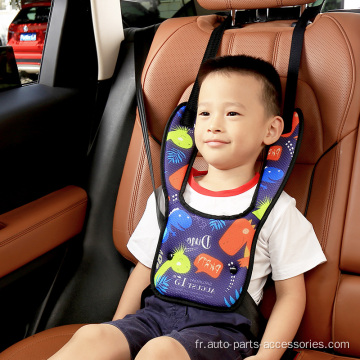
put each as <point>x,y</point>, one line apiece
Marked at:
<point>224,193</point>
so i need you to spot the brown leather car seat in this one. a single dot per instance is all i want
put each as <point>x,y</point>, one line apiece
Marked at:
<point>324,180</point>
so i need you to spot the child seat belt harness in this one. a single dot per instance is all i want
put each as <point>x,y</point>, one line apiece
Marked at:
<point>204,260</point>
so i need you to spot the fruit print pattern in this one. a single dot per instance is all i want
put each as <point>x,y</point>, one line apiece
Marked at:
<point>180,137</point>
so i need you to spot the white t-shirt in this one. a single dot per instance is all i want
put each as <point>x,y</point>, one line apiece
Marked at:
<point>286,247</point>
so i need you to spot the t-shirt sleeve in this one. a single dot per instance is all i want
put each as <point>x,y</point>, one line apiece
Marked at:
<point>293,245</point>
<point>143,241</point>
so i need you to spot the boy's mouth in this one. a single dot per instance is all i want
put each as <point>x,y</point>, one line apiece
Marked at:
<point>216,142</point>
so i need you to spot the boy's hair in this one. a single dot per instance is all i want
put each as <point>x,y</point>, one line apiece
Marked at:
<point>244,64</point>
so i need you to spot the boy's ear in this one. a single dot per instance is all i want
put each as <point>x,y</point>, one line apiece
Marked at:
<point>274,130</point>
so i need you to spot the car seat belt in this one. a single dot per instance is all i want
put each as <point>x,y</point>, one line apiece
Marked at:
<point>142,43</point>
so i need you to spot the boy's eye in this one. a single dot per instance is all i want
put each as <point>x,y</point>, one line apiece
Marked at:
<point>232,113</point>
<point>204,113</point>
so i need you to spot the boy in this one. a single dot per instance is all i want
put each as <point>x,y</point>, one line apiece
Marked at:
<point>238,114</point>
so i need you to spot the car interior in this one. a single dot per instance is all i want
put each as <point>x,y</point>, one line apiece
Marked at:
<point>75,178</point>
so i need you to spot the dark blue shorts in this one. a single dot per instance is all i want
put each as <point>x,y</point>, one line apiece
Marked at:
<point>204,334</point>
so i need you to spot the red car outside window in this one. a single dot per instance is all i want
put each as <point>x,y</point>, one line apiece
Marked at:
<point>27,35</point>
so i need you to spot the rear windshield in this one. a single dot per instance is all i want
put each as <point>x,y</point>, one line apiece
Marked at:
<point>32,15</point>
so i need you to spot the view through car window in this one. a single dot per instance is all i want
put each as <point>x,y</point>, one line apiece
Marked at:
<point>341,4</point>
<point>142,13</point>
<point>23,27</point>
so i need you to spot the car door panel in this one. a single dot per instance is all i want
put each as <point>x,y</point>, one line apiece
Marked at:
<point>43,142</point>
<point>44,135</point>
<point>45,131</point>
<point>33,229</point>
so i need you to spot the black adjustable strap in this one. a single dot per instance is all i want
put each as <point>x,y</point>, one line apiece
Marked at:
<point>250,310</point>
<point>142,41</point>
<point>210,52</point>
<point>294,64</point>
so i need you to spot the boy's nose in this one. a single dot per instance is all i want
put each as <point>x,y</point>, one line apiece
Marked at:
<point>215,126</point>
<point>214,129</point>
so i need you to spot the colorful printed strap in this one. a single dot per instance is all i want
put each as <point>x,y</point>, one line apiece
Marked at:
<point>204,260</point>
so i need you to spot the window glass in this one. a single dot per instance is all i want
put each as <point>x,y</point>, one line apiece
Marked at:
<point>340,5</point>
<point>9,76</point>
<point>24,25</point>
<point>32,15</point>
<point>351,4</point>
<point>142,13</point>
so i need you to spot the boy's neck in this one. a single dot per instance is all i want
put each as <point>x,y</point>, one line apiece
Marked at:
<point>219,180</point>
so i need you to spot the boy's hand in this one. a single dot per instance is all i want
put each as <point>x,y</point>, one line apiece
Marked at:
<point>285,318</point>
<point>131,297</point>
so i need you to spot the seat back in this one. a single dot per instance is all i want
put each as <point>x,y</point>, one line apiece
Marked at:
<point>325,177</point>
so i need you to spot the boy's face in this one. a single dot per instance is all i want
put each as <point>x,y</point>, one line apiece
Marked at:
<point>232,125</point>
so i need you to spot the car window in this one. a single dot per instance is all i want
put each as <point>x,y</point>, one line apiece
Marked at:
<point>23,26</point>
<point>9,77</point>
<point>142,13</point>
<point>31,15</point>
<point>340,5</point>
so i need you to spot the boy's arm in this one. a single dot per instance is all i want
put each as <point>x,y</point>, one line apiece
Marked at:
<point>130,299</point>
<point>285,318</point>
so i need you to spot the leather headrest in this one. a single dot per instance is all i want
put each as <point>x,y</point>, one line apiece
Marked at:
<point>249,4</point>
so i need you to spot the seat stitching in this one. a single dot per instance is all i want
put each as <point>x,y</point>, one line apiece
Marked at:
<point>334,311</point>
<point>231,44</point>
<point>43,222</point>
<point>351,54</point>
<point>276,48</point>
<point>136,189</point>
<point>331,198</point>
